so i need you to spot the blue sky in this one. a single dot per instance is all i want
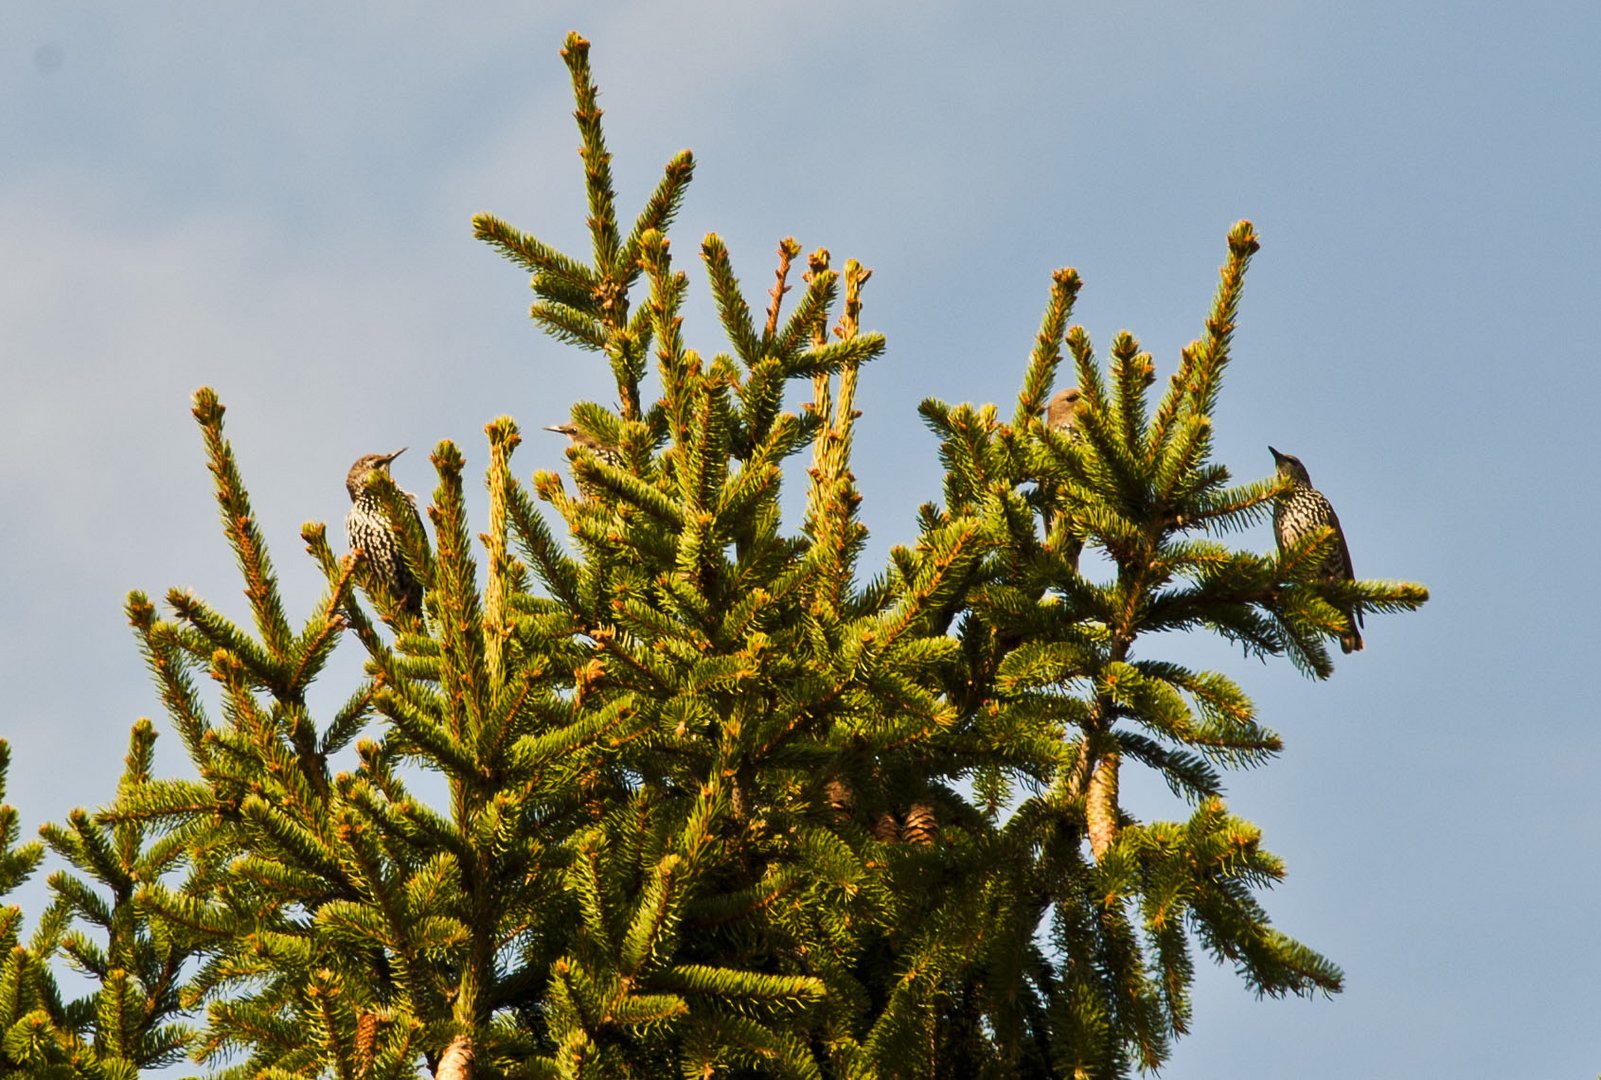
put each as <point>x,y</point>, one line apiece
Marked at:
<point>276,203</point>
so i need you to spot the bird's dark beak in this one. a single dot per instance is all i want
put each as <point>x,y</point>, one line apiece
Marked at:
<point>390,457</point>
<point>1276,455</point>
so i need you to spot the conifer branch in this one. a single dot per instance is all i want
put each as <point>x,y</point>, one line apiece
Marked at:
<point>809,320</point>
<point>503,439</point>
<point>570,325</point>
<point>533,255</point>
<point>596,158</point>
<point>1047,352</point>
<point>455,591</point>
<point>730,299</point>
<point>239,525</point>
<point>169,667</point>
<point>788,248</point>
<point>659,211</point>
<point>1212,351</point>
<point>1132,375</point>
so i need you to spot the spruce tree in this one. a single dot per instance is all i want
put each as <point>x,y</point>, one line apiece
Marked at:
<point>716,805</point>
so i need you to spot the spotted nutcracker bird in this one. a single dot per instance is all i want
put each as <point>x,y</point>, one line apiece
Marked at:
<point>368,528</point>
<point>609,454</point>
<point>1303,509</point>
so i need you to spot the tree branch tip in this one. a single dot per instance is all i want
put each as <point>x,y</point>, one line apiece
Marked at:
<point>1243,239</point>
<point>503,429</point>
<point>207,408</point>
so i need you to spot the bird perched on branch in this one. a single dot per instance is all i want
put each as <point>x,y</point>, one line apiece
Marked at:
<point>609,454</point>
<point>1302,510</point>
<point>1062,411</point>
<point>369,529</point>
<point>1061,414</point>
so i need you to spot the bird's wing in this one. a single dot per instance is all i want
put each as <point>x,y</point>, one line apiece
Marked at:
<point>1345,557</point>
